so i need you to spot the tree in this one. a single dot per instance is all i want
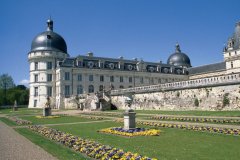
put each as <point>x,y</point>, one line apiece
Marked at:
<point>6,81</point>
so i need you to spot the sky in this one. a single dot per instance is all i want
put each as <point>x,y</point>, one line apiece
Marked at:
<point>143,29</point>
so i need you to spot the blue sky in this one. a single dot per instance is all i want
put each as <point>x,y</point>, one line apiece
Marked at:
<point>147,29</point>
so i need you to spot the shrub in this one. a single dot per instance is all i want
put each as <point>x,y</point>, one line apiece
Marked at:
<point>225,99</point>
<point>196,102</point>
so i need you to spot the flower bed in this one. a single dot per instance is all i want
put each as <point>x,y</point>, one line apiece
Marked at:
<point>228,131</point>
<point>131,132</point>
<point>103,114</point>
<point>47,117</point>
<point>193,119</point>
<point>88,147</point>
<point>19,121</point>
<point>93,117</point>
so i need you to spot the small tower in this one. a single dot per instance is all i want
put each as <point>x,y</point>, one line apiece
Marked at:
<point>46,50</point>
<point>231,52</point>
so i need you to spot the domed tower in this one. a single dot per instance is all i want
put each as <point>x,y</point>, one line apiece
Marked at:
<point>231,52</point>
<point>179,59</point>
<point>47,48</point>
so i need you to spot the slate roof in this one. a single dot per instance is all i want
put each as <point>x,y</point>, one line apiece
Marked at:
<point>207,68</point>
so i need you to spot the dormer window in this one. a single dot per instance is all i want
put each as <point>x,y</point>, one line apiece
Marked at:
<point>49,36</point>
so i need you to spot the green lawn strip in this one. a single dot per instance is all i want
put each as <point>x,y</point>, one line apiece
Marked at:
<point>175,120</point>
<point>7,121</point>
<point>20,111</point>
<point>189,113</point>
<point>55,149</point>
<point>171,144</point>
<point>61,119</point>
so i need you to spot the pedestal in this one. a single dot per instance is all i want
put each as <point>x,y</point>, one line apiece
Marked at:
<point>15,108</point>
<point>47,111</point>
<point>129,119</point>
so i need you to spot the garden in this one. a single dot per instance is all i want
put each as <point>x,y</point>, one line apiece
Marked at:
<point>99,135</point>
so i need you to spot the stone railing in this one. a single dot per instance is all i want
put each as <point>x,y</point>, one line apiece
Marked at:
<point>196,83</point>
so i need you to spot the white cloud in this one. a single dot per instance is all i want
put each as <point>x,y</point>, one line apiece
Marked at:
<point>24,82</point>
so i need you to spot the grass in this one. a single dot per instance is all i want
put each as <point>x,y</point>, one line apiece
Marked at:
<point>57,150</point>
<point>189,113</point>
<point>7,121</point>
<point>20,111</point>
<point>171,144</point>
<point>61,119</point>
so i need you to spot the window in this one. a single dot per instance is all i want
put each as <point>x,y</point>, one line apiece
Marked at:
<point>49,77</point>
<point>141,80</point>
<point>121,87</point>
<point>90,77</point>
<point>67,90</point>
<point>121,78</point>
<point>35,91</point>
<point>49,91</point>
<point>231,64</point>
<point>90,89</point>
<point>67,76</point>
<point>79,77</point>
<point>36,66</point>
<point>111,78</point>
<point>101,78</point>
<point>101,88</point>
<point>79,89</point>
<point>35,103</point>
<point>35,78</point>
<point>49,65</point>
<point>130,79</point>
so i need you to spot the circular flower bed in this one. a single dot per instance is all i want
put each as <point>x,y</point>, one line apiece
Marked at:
<point>47,117</point>
<point>196,119</point>
<point>88,147</point>
<point>131,132</point>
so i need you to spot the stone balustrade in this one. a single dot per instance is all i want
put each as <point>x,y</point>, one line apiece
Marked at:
<point>196,83</point>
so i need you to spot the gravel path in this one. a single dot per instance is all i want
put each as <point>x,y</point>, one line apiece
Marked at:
<point>13,146</point>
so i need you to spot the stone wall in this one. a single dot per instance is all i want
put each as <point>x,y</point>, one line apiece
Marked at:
<point>201,98</point>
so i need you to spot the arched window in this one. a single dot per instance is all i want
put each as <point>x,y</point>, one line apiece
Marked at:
<point>121,87</point>
<point>79,89</point>
<point>90,89</point>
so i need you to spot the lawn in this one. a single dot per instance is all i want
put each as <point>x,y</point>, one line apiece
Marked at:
<point>61,119</point>
<point>57,150</point>
<point>171,144</point>
<point>188,113</point>
<point>20,111</point>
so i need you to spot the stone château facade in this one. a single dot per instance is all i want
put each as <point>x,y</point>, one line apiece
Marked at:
<point>54,74</point>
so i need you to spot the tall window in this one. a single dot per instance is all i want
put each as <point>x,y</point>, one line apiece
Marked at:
<point>79,77</point>
<point>231,64</point>
<point>111,78</point>
<point>90,77</point>
<point>36,66</point>
<point>101,78</point>
<point>49,65</point>
<point>141,80</point>
<point>35,91</point>
<point>79,89</point>
<point>67,90</point>
<point>90,89</point>
<point>35,103</point>
<point>49,91</point>
<point>121,78</point>
<point>67,76</point>
<point>130,79</point>
<point>35,78</point>
<point>49,77</point>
